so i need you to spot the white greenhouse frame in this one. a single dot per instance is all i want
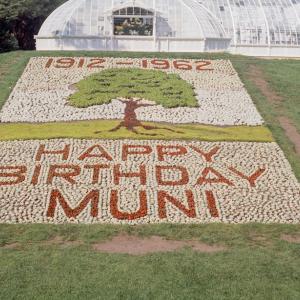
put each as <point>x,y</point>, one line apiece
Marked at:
<point>251,27</point>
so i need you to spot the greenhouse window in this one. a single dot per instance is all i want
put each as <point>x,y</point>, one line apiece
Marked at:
<point>133,21</point>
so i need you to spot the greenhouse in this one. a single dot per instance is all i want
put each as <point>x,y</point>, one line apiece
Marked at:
<point>250,27</point>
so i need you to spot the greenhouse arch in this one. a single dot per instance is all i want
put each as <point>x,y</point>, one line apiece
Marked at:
<point>251,27</point>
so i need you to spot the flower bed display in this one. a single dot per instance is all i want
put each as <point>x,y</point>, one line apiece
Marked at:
<point>42,93</point>
<point>149,178</point>
<point>146,181</point>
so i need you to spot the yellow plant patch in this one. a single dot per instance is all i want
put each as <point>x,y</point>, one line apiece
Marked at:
<point>88,129</point>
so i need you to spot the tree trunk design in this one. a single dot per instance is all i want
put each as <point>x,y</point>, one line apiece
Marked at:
<point>130,121</point>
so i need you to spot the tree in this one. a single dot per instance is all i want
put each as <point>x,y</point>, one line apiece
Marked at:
<point>135,88</point>
<point>7,40</point>
<point>23,19</point>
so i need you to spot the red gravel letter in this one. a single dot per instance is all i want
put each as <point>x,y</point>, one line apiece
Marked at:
<point>42,151</point>
<point>163,151</point>
<point>219,178</point>
<point>56,196</point>
<point>141,174</point>
<point>17,173</point>
<point>116,213</point>
<point>96,171</point>
<point>101,153</point>
<point>163,197</point>
<point>67,175</point>
<point>36,174</point>
<point>251,179</point>
<point>132,150</point>
<point>184,178</point>
<point>211,203</point>
<point>207,155</point>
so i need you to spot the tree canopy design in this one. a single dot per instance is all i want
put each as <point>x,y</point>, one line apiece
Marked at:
<point>135,88</point>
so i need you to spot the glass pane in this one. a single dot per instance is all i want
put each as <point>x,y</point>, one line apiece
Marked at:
<point>133,26</point>
<point>137,11</point>
<point>123,12</point>
<point>129,11</point>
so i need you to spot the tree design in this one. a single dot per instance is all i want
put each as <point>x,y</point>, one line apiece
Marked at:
<point>135,88</point>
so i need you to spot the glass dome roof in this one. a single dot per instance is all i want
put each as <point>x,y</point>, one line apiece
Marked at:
<point>173,18</point>
<point>258,22</point>
<point>248,23</point>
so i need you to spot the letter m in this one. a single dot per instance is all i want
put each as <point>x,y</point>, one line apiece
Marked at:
<point>57,197</point>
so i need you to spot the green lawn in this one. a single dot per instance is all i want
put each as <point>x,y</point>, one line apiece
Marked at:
<point>257,265</point>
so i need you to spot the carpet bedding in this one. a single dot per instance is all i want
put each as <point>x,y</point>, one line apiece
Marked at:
<point>150,178</point>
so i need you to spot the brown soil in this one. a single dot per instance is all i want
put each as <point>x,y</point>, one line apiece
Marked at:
<point>261,240</point>
<point>291,238</point>
<point>258,238</point>
<point>11,246</point>
<point>257,76</point>
<point>59,241</point>
<point>291,132</point>
<point>134,245</point>
<point>56,241</point>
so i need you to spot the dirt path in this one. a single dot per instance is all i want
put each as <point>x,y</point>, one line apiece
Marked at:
<point>134,245</point>
<point>295,239</point>
<point>258,77</point>
<point>291,132</point>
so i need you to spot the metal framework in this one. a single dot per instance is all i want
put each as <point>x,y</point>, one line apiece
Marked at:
<point>249,24</point>
<point>258,22</point>
<point>87,17</point>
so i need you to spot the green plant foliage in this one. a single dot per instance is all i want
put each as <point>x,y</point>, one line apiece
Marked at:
<point>7,40</point>
<point>21,20</point>
<point>168,90</point>
<point>86,130</point>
